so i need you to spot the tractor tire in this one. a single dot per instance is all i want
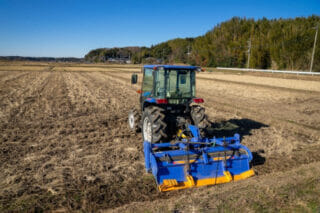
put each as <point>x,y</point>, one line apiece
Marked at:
<point>199,117</point>
<point>154,127</point>
<point>134,119</point>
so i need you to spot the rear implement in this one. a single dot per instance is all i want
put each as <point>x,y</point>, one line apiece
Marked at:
<point>197,161</point>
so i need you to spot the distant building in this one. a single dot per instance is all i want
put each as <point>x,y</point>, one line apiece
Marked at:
<point>119,60</point>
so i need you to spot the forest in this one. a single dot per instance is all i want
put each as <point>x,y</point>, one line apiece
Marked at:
<point>271,43</point>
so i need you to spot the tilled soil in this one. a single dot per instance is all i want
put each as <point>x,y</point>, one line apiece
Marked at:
<point>65,144</point>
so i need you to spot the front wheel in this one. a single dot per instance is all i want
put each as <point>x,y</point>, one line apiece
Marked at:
<point>134,120</point>
<point>146,129</point>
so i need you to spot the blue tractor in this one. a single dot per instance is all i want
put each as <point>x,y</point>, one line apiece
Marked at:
<point>174,126</point>
<point>167,102</point>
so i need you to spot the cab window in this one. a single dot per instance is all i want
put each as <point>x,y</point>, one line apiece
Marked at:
<point>160,83</point>
<point>147,80</point>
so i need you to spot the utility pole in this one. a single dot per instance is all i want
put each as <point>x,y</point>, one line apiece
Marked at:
<point>249,52</point>
<point>314,46</point>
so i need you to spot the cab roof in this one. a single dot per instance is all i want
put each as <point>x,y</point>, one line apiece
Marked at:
<point>170,66</point>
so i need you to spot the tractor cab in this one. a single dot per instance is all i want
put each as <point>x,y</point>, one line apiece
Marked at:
<point>167,84</point>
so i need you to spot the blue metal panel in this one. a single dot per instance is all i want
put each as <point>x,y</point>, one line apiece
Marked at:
<point>200,169</point>
<point>151,100</point>
<point>146,94</point>
<point>147,153</point>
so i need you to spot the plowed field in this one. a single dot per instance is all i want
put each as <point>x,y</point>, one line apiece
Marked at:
<point>65,144</point>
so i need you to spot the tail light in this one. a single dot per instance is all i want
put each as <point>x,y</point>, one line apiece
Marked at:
<point>162,101</point>
<point>198,100</point>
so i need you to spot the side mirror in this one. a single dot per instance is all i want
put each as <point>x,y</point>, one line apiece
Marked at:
<point>134,78</point>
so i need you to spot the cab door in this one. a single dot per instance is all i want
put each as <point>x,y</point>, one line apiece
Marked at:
<point>147,84</point>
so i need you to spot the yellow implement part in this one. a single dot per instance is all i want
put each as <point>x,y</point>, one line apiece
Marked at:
<point>243,175</point>
<point>182,161</point>
<point>192,161</point>
<point>180,134</point>
<point>190,181</point>
<point>221,158</point>
<point>169,185</point>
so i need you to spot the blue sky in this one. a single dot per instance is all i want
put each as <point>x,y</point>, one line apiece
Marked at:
<point>67,28</point>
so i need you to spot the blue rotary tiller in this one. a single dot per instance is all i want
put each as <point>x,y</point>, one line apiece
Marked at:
<point>197,161</point>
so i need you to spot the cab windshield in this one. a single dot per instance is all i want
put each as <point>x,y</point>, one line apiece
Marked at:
<point>175,84</point>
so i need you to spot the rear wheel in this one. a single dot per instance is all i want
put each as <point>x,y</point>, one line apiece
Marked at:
<point>134,120</point>
<point>199,117</point>
<point>154,128</point>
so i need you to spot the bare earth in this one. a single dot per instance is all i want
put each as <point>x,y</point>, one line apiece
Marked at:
<point>65,144</point>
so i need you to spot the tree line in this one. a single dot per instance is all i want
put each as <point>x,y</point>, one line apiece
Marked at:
<point>271,43</point>
<point>42,59</point>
